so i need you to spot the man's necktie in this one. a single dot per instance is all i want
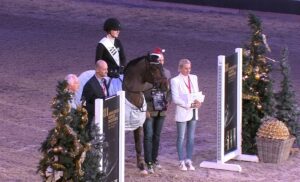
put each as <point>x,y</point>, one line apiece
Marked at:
<point>103,85</point>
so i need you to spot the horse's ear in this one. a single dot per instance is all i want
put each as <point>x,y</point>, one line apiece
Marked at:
<point>148,56</point>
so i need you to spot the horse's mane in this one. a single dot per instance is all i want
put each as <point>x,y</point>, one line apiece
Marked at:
<point>134,62</point>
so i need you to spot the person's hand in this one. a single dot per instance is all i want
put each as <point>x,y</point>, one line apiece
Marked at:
<point>196,104</point>
<point>121,70</point>
<point>147,114</point>
<point>113,74</point>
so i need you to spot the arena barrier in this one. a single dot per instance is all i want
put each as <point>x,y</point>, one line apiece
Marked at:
<point>229,114</point>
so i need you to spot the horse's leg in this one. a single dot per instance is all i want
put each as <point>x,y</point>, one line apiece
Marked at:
<point>138,138</point>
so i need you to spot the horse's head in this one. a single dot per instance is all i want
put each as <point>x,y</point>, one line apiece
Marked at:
<point>155,73</point>
<point>139,71</point>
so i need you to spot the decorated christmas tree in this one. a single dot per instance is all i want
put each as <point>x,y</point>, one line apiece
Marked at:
<point>68,151</point>
<point>257,85</point>
<point>288,110</point>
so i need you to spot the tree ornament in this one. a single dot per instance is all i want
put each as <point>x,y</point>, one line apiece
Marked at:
<point>265,42</point>
<point>257,76</point>
<point>55,158</point>
<point>246,52</point>
<point>263,59</point>
<point>56,150</point>
<point>259,106</point>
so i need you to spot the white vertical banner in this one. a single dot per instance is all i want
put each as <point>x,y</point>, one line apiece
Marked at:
<point>229,113</point>
<point>99,122</point>
<point>122,137</point>
<point>220,108</point>
<point>239,52</point>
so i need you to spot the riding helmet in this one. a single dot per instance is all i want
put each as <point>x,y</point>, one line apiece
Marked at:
<point>111,24</point>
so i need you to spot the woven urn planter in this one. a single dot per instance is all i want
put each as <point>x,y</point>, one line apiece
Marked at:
<point>274,141</point>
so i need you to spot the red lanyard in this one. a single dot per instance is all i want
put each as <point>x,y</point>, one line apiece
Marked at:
<point>188,85</point>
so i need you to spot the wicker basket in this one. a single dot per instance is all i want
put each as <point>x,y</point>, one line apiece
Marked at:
<point>273,151</point>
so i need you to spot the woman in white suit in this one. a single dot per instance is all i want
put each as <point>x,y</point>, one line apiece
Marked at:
<point>186,113</point>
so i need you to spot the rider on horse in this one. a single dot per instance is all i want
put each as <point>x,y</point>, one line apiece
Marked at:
<point>110,48</point>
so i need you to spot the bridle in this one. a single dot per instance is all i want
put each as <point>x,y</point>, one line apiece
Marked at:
<point>149,62</point>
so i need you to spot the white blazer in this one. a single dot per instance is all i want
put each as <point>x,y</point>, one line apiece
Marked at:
<point>183,111</point>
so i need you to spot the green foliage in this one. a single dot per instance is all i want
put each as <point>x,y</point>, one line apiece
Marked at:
<point>251,123</point>
<point>91,164</point>
<point>68,147</point>
<point>288,110</point>
<point>258,98</point>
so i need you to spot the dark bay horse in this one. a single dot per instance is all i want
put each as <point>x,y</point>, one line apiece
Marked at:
<point>136,74</point>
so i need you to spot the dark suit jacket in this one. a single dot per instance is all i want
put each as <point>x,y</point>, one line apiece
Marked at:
<point>92,90</point>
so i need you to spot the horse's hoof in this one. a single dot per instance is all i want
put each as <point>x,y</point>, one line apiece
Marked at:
<point>141,166</point>
<point>144,172</point>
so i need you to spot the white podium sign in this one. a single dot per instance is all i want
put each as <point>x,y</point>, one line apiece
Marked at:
<point>110,118</point>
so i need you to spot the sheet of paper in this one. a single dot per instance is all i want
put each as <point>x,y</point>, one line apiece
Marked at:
<point>197,96</point>
<point>190,98</point>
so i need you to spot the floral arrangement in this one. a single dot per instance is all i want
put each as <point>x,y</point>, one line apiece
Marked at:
<point>272,128</point>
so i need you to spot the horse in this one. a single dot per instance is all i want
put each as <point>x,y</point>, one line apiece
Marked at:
<point>137,73</point>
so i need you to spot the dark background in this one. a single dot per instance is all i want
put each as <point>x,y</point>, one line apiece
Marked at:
<point>280,6</point>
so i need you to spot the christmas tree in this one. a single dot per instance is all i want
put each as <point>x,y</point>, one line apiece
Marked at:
<point>91,166</point>
<point>288,110</point>
<point>257,85</point>
<point>68,149</point>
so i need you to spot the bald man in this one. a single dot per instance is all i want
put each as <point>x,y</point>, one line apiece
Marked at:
<point>95,88</point>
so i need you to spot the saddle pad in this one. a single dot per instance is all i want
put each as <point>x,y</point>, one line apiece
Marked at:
<point>134,117</point>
